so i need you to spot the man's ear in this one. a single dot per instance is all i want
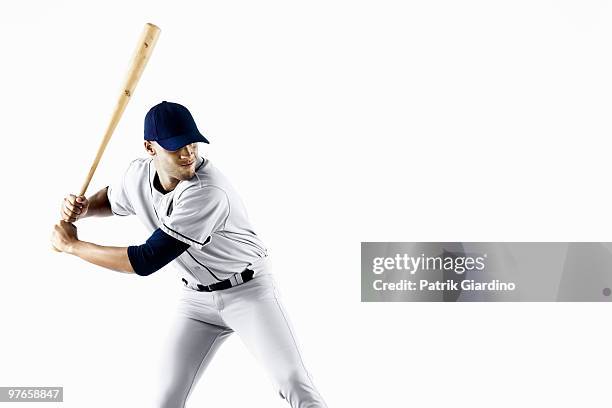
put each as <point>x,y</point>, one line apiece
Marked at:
<point>149,148</point>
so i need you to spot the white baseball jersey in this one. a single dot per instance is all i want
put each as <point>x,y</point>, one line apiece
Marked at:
<point>204,212</point>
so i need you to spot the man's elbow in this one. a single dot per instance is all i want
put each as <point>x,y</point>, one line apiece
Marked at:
<point>144,271</point>
<point>138,261</point>
<point>128,268</point>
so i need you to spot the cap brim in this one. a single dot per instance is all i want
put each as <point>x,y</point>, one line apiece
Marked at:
<point>177,142</point>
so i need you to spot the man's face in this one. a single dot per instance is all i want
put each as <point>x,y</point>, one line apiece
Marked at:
<point>179,164</point>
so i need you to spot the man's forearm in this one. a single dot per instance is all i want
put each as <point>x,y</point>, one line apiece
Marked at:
<point>115,258</point>
<point>99,206</point>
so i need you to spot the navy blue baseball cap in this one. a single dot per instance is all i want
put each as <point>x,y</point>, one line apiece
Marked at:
<point>172,126</point>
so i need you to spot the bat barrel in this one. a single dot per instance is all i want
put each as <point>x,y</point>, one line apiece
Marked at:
<point>141,56</point>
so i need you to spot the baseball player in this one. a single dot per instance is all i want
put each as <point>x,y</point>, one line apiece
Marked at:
<point>199,223</point>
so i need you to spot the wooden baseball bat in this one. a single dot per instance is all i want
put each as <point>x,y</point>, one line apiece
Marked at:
<point>145,46</point>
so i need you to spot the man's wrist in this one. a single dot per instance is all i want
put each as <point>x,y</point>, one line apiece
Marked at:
<point>74,247</point>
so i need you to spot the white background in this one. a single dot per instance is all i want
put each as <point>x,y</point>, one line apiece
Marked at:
<point>338,122</point>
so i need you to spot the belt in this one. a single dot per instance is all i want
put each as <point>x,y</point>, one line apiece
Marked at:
<point>235,280</point>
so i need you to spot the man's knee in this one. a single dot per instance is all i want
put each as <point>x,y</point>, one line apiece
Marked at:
<point>297,388</point>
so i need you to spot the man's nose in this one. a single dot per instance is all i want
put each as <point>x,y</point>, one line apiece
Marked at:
<point>188,151</point>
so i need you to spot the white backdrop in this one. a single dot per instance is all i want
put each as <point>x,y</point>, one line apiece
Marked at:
<point>338,122</point>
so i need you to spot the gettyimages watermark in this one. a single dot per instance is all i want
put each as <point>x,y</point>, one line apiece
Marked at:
<point>485,271</point>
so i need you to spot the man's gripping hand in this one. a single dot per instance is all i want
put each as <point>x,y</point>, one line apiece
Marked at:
<point>64,236</point>
<point>74,208</point>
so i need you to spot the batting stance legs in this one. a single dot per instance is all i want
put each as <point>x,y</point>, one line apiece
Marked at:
<point>254,311</point>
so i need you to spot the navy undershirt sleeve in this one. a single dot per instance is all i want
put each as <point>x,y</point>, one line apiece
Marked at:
<point>154,254</point>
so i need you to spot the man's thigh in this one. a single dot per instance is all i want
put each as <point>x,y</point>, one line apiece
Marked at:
<point>188,351</point>
<point>258,316</point>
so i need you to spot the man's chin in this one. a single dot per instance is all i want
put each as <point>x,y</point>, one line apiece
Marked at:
<point>186,175</point>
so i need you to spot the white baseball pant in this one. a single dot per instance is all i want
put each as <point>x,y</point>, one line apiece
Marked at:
<point>254,311</point>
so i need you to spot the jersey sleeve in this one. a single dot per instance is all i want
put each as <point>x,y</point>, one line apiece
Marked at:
<point>118,196</point>
<point>197,213</point>
<point>159,250</point>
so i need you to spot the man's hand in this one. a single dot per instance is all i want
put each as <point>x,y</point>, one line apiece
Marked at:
<point>64,236</point>
<point>74,208</point>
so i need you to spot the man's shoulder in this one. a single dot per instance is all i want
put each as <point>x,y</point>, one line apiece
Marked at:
<point>138,167</point>
<point>206,175</point>
<point>141,162</point>
<point>208,183</point>
<point>199,189</point>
